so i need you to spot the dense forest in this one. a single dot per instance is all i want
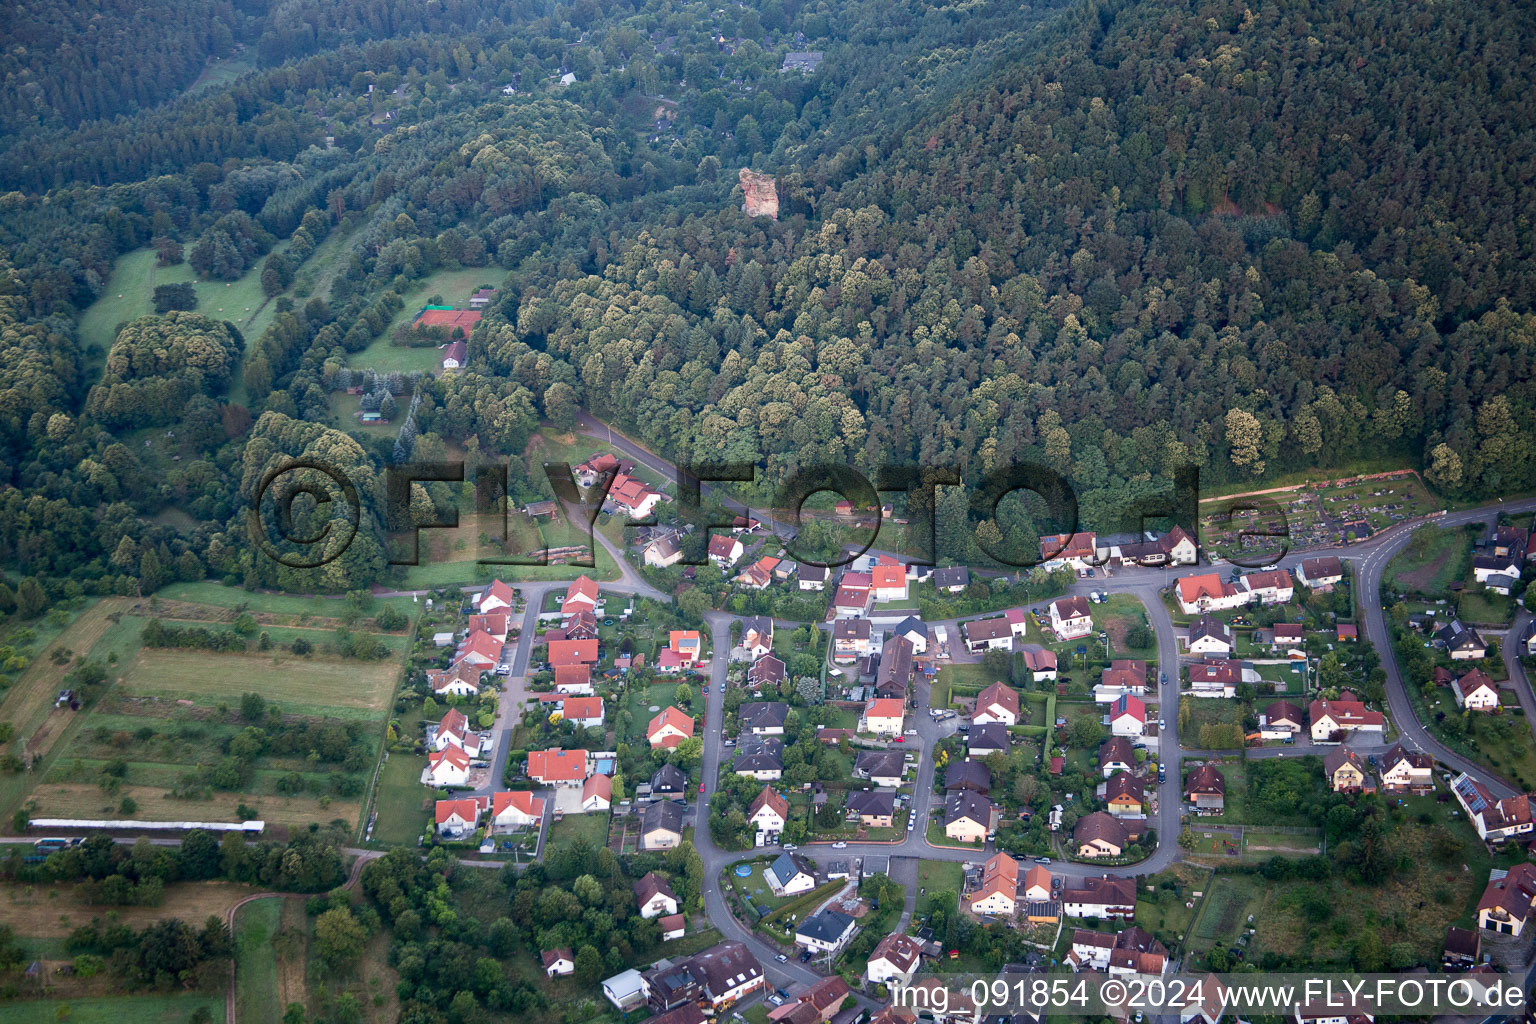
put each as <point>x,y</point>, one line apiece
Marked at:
<point>1110,238</point>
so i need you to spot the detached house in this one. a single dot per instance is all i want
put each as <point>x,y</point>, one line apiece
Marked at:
<point>1123,793</point>
<point>763,718</point>
<point>761,757</point>
<point>1198,595</point>
<point>669,728</point>
<point>987,635</point>
<point>1280,720</point>
<point>790,874</point>
<point>454,730</point>
<point>872,808</point>
<point>462,680</point>
<point>967,816</point>
<point>724,550</point>
<point>1116,755</point>
<point>1122,677</point>
<point>497,597</point>
<point>1100,834</point>
<point>1275,587</point>
<point>1475,691</point>
<point>1495,820</point>
<point>825,932</point>
<point>663,552</point>
<point>888,583</point>
<point>883,716</point>
<point>850,639</point>
<point>1407,771</point>
<point>1506,902</point>
<point>1461,642</point>
<point>1206,789</point>
<point>516,809</point>
<point>447,767</point>
<point>661,825</point>
<point>1103,898</point>
<point>1040,662</point>
<point>768,811</point>
<point>1071,617</point>
<point>655,897</point>
<point>882,767</point>
<point>952,580</point>
<point>813,577</point>
<point>1217,679</point>
<point>896,958</point>
<point>1128,716</point>
<point>556,767</point>
<point>1345,770</point>
<point>757,636</point>
<point>765,671</point>
<point>455,818</point>
<point>997,703</point>
<point>997,891</point>
<point>1210,636</point>
<point>1486,566</point>
<point>1320,573</point>
<point>1332,720</point>
<point>1078,550</point>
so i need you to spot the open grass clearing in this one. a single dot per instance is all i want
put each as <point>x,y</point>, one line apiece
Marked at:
<point>84,800</point>
<point>359,689</point>
<point>938,876</point>
<point>403,804</point>
<point>54,910</point>
<point>156,1009</point>
<point>28,702</point>
<point>256,997</point>
<point>258,602</point>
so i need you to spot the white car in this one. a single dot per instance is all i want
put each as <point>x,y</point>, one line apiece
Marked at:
<point>1271,567</point>
<point>839,845</point>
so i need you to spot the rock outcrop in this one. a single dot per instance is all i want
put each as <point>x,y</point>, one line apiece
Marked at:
<point>762,197</point>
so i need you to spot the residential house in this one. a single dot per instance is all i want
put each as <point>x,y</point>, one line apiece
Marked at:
<point>633,497</point>
<point>669,728</point>
<point>967,816</point>
<point>724,550</point>
<point>882,767</point>
<point>1462,643</point>
<point>675,926</point>
<point>850,639</point>
<point>968,774</point>
<point>763,718</point>
<point>1176,547</point>
<point>1206,789</point>
<point>757,636</point>
<point>669,780</point>
<point>1122,677</point>
<point>913,631</point>
<point>497,624</point>
<point>1123,793</point>
<point>888,583</point>
<point>1347,632</point>
<point>1475,691</point>
<point>1078,550</point>
<point>573,679</point>
<point>1116,755</point>
<point>1332,720</point>
<point>515,809</point>
<point>572,652</point>
<point>626,990</point>
<point>461,679</point>
<point>816,1005</point>
<point>883,716</point>
<point>1345,770</point>
<point>661,825</point>
<point>586,712</point>
<point>987,739</point>
<point>1462,948</point>
<point>896,958</point>
<point>1407,771</point>
<point>580,625</point>
<point>1100,834</point>
<point>997,891</point>
<point>687,645</point>
<point>873,808</point>
<point>479,650</point>
<point>455,818</point>
<point>655,897</point>
<point>1131,951</point>
<point>1216,679</point>
<point>663,552</point>
<point>498,597</point>
<point>759,574</point>
<point>1274,587</point>
<point>1071,617</point>
<point>1210,636</point>
<point>558,962</point>
<point>556,767</point>
<point>987,635</point>
<point>1040,661</point>
<point>790,874</point>
<point>1280,720</point>
<point>997,703</point>
<point>814,577</point>
<point>1495,820</point>
<point>826,931</point>
<point>596,794</point>
<point>1037,883</point>
<point>761,757</point>
<point>1511,542</point>
<point>1320,573</point>
<point>1102,897</point>
<point>454,730</point>
<point>1212,1005</point>
<point>951,580</point>
<point>895,669</point>
<point>1208,592</point>
<point>1484,566</point>
<point>765,671</point>
<point>717,977</point>
<point>849,600</point>
<point>1288,636</point>
<point>1128,716</point>
<point>1506,902</point>
<point>581,596</point>
<point>447,767</point>
<point>768,811</point>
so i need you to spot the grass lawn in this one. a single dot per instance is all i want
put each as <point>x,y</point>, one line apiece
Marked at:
<point>1432,560</point>
<point>1117,617</point>
<point>317,686</point>
<point>402,802</point>
<point>53,911</point>
<point>1486,608</point>
<point>209,592</point>
<point>256,961</point>
<point>938,876</point>
<point>1163,912</point>
<point>454,287</point>
<point>591,827</point>
<point>158,1009</point>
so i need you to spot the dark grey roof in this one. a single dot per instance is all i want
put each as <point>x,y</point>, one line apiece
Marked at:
<point>669,779</point>
<point>989,736</point>
<point>663,814</point>
<point>972,774</point>
<point>759,753</point>
<point>766,714</point>
<point>871,801</point>
<point>885,763</point>
<point>957,576</point>
<point>827,926</point>
<point>962,803</point>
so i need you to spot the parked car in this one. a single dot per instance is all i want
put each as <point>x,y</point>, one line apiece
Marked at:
<point>901,739</point>
<point>701,787</point>
<point>782,958</point>
<point>839,845</point>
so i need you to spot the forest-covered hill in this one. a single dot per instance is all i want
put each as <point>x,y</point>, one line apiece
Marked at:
<point>1111,237</point>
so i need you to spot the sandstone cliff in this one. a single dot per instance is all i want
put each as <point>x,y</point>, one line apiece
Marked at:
<point>762,197</point>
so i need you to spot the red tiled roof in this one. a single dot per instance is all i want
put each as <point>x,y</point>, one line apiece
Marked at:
<point>464,319</point>
<point>557,765</point>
